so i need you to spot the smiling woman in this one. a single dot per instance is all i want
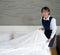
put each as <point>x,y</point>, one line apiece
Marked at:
<point>24,15</point>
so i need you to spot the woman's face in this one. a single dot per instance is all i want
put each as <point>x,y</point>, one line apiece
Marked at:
<point>45,13</point>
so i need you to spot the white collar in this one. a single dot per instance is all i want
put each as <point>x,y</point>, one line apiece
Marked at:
<point>47,18</point>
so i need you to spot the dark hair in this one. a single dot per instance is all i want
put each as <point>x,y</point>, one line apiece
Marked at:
<point>45,8</point>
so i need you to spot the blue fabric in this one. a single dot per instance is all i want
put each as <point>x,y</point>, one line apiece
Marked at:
<point>46,25</point>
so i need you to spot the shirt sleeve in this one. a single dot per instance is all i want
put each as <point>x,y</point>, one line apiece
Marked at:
<point>53,26</point>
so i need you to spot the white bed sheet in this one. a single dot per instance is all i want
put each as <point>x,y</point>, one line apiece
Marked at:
<point>33,43</point>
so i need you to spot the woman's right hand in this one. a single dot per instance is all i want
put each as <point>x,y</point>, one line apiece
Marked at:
<point>41,28</point>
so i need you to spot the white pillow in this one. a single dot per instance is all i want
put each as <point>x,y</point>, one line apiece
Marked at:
<point>5,36</point>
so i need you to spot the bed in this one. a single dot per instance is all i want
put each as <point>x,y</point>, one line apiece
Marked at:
<point>32,43</point>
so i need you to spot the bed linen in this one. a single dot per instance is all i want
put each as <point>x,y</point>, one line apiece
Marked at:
<point>33,43</point>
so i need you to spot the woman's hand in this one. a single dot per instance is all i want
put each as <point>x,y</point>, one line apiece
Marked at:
<point>49,40</point>
<point>41,28</point>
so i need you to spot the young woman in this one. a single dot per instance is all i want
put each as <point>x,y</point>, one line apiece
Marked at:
<point>49,26</point>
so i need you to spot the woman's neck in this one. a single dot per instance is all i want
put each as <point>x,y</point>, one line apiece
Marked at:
<point>47,16</point>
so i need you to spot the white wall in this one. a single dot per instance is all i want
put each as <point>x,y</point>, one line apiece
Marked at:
<point>26,12</point>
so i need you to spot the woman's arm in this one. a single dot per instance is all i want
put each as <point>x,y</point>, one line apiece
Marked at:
<point>53,26</point>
